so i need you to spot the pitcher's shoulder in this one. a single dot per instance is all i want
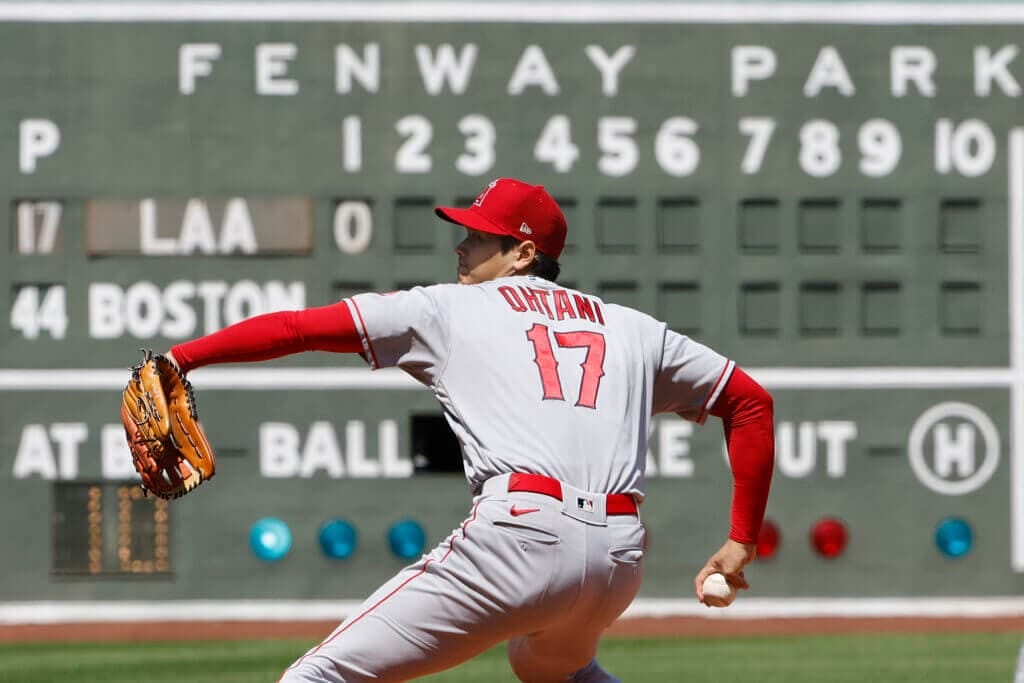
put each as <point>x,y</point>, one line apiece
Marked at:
<point>631,316</point>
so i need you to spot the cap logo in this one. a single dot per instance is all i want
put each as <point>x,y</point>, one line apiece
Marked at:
<point>525,229</point>
<point>479,201</point>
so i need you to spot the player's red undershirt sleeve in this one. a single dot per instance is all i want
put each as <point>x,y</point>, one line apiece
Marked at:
<point>271,335</point>
<point>748,418</point>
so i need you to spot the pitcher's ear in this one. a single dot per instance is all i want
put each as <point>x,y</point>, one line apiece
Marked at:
<point>526,255</point>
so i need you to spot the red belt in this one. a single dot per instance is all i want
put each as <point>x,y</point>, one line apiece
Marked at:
<point>615,503</point>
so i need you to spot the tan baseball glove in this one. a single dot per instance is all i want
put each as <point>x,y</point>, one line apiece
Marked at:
<point>169,447</point>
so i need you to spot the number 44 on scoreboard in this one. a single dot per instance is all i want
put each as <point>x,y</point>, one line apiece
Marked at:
<point>40,308</point>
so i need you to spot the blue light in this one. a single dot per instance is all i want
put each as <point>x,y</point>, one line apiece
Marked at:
<point>407,539</point>
<point>338,539</point>
<point>270,539</point>
<point>954,537</point>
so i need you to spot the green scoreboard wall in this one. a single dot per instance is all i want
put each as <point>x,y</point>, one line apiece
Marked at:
<point>836,203</point>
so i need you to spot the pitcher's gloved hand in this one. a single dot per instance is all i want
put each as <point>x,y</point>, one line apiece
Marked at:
<point>169,448</point>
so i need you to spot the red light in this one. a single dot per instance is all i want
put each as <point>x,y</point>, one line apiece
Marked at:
<point>829,537</point>
<point>768,540</point>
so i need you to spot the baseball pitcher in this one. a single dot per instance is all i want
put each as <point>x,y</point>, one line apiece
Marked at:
<point>551,393</point>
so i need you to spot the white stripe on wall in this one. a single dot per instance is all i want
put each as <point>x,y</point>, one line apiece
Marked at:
<point>1015,247</point>
<point>291,379</point>
<point>68,612</point>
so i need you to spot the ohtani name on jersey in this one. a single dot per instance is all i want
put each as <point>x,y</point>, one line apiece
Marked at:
<point>556,304</point>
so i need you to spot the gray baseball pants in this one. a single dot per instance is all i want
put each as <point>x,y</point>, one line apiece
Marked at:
<point>524,568</point>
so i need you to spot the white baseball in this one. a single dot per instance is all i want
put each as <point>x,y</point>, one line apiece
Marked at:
<point>715,586</point>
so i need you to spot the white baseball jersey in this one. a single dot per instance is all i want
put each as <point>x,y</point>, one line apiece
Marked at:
<point>534,377</point>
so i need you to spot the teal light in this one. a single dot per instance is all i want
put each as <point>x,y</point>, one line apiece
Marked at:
<point>270,539</point>
<point>338,539</point>
<point>954,537</point>
<point>407,539</point>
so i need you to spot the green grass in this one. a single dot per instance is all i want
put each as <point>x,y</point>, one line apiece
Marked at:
<point>878,658</point>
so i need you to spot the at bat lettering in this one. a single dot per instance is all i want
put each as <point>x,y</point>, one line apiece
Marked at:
<point>54,452</point>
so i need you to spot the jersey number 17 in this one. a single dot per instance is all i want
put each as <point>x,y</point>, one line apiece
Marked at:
<point>544,356</point>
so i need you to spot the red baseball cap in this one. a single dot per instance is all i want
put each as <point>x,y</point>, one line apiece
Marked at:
<point>511,207</point>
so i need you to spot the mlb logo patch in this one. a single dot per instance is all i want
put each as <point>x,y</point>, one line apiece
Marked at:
<point>585,504</point>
